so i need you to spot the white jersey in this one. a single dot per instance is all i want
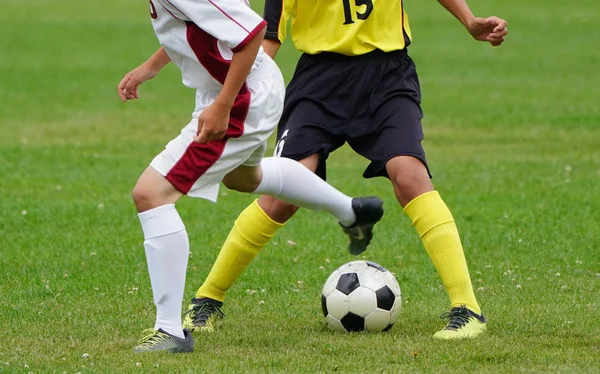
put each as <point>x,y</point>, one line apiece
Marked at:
<point>200,36</point>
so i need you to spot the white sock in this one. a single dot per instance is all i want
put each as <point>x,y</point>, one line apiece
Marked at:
<point>292,182</point>
<point>167,250</point>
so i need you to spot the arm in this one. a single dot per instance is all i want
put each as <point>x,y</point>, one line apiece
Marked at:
<point>459,9</point>
<point>490,29</point>
<point>271,47</point>
<point>214,120</point>
<point>276,13</point>
<point>241,63</point>
<point>128,87</point>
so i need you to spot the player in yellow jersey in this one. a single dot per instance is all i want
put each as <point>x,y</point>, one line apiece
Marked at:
<point>355,83</point>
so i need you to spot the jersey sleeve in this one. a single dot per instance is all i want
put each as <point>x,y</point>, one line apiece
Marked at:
<point>230,21</point>
<point>277,15</point>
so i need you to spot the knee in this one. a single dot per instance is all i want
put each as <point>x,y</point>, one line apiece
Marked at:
<point>410,179</point>
<point>277,210</point>
<point>406,180</point>
<point>407,188</point>
<point>153,190</point>
<point>143,198</point>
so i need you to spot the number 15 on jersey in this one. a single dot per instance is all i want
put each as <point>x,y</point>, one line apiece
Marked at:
<point>366,11</point>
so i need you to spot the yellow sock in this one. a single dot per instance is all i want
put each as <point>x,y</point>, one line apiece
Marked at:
<point>435,225</point>
<point>249,234</point>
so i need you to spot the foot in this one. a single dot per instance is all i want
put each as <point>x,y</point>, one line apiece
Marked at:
<point>203,315</point>
<point>368,211</point>
<point>462,323</point>
<point>160,340</point>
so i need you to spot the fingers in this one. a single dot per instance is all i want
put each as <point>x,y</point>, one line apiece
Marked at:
<point>219,135</point>
<point>495,42</point>
<point>498,32</point>
<point>201,134</point>
<point>500,26</point>
<point>497,38</point>
<point>207,134</point>
<point>128,87</point>
<point>121,87</point>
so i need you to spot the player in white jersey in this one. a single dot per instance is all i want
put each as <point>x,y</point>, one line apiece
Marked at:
<point>239,99</point>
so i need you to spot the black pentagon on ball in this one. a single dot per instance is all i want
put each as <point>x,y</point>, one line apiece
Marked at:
<point>376,266</point>
<point>324,305</point>
<point>353,322</point>
<point>347,283</point>
<point>385,298</point>
<point>388,328</point>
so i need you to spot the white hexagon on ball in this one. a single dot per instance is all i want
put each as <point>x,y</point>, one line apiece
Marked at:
<point>378,320</point>
<point>334,324</point>
<point>362,301</point>
<point>337,304</point>
<point>392,283</point>
<point>330,283</point>
<point>395,312</point>
<point>372,278</point>
<point>353,267</point>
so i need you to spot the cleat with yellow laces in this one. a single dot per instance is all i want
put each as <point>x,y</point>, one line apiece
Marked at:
<point>462,324</point>
<point>203,315</point>
<point>160,340</point>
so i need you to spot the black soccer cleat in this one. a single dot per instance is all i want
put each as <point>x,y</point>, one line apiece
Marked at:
<point>203,315</point>
<point>368,211</point>
<point>160,340</point>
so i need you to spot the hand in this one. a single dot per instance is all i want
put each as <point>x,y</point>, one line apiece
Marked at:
<point>128,87</point>
<point>491,29</point>
<point>213,123</point>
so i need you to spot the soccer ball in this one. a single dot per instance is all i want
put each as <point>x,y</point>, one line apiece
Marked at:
<point>361,296</point>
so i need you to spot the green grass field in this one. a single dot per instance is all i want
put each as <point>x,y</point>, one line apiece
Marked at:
<point>513,140</point>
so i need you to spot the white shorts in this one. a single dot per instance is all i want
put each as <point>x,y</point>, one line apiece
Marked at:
<point>197,169</point>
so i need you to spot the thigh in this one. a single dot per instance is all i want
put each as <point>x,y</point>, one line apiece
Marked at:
<point>400,134</point>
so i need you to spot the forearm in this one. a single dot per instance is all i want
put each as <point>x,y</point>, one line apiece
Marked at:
<point>158,60</point>
<point>460,9</point>
<point>271,47</point>
<point>241,63</point>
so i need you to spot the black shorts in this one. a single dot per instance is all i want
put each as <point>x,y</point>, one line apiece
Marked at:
<point>371,101</point>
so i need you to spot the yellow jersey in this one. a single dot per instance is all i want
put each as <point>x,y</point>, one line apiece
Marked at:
<point>348,27</point>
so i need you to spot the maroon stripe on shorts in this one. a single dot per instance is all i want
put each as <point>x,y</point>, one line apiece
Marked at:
<point>198,158</point>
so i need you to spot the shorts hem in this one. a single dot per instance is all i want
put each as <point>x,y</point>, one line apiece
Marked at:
<point>382,171</point>
<point>300,156</point>
<point>210,192</point>
<point>201,194</point>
